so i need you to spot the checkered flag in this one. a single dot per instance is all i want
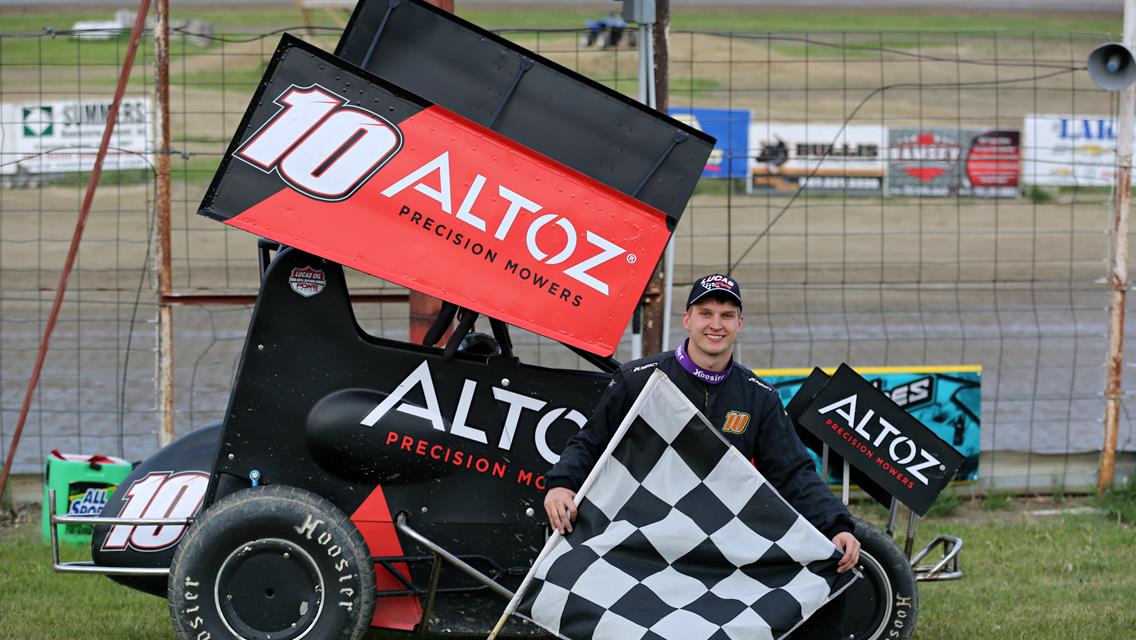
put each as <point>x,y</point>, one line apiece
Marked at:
<point>678,537</point>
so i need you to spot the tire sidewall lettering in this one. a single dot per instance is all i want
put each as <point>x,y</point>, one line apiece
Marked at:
<point>280,518</point>
<point>191,608</point>
<point>319,534</point>
<point>888,575</point>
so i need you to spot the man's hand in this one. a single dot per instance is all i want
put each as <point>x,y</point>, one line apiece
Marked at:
<point>561,509</point>
<point>847,543</point>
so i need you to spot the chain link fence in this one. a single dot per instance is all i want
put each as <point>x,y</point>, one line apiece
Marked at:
<point>894,255</point>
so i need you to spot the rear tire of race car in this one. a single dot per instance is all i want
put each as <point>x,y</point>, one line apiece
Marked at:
<point>275,563</point>
<point>884,604</point>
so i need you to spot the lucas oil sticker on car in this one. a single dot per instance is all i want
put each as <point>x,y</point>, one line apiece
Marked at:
<point>356,170</point>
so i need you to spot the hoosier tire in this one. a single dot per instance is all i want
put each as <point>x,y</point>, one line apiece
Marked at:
<point>272,563</point>
<point>882,606</point>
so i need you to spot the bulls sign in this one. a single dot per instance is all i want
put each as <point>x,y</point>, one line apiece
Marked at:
<point>342,164</point>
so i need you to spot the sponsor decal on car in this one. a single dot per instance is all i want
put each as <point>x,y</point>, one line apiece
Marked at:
<point>161,494</point>
<point>418,194</point>
<point>307,281</point>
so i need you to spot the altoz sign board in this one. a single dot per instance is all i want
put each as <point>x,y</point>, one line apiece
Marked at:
<point>64,136</point>
<point>893,450</point>
<point>339,163</point>
<point>945,399</point>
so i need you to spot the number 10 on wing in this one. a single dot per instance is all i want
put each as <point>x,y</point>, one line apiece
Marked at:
<point>319,146</point>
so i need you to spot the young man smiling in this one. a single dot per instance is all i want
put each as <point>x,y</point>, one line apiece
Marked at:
<point>745,410</point>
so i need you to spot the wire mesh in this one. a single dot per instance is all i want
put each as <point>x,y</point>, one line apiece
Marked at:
<point>1014,284</point>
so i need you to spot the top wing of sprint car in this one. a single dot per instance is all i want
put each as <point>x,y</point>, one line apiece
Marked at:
<point>361,170</point>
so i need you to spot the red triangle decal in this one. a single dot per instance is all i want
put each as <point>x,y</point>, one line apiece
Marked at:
<point>924,174</point>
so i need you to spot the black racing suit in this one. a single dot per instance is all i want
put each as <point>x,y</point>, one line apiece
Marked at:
<point>767,438</point>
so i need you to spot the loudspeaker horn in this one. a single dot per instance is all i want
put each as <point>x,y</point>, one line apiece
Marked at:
<point>1112,66</point>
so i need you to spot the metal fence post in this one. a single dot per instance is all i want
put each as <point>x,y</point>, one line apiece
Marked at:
<point>162,212</point>
<point>1118,271</point>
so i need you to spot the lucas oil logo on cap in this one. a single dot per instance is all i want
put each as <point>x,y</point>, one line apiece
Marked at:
<point>716,282</point>
<point>307,281</point>
<point>735,422</point>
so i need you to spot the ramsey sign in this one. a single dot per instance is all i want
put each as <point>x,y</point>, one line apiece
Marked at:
<point>946,162</point>
<point>334,161</point>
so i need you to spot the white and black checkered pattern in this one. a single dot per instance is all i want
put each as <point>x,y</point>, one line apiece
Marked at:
<point>678,537</point>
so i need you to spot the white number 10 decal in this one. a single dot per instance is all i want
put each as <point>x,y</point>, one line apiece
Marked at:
<point>158,495</point>
<point>320,147</point>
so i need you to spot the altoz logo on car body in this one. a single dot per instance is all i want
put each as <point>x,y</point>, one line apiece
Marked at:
<point>458,421</point>
<point>320,146</point>
<point>307,281</point>
<point>537,244</point>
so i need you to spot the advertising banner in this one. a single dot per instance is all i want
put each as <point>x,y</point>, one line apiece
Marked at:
<point>953,161</point>
<point>822,157</point>
<point>1069,151</point>
<point>730,157</point>
<point>946,400</point>
<point>339,163</point>
<point>62,136</point>
<point>893,452</point>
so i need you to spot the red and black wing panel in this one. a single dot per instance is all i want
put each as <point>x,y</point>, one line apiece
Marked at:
<point>300,84</point>
<point>339,163</point>
<point>528,98</point>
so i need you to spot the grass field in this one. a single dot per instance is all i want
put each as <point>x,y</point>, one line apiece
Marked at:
<point>1028,577</point>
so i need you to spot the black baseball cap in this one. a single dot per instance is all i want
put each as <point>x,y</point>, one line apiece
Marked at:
<point>715,283</point>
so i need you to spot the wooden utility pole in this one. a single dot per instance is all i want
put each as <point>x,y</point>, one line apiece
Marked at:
<point>653,303</point>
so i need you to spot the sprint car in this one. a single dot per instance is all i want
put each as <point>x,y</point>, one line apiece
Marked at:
<point>358,482</point>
